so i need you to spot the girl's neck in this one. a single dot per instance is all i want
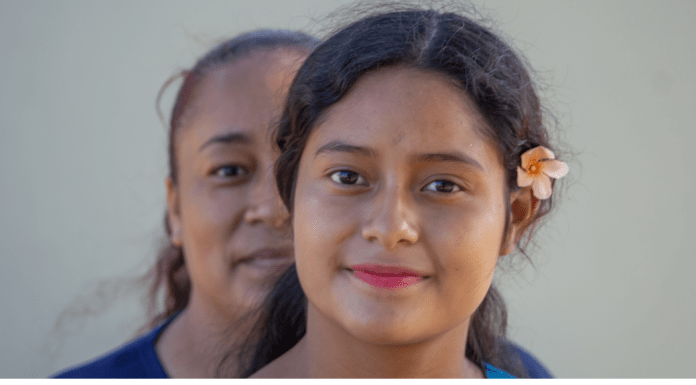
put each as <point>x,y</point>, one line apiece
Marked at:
<point>195,342</point>
<point>327,351</point>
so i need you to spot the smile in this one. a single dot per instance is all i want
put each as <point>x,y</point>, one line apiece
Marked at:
<point>386,277</point>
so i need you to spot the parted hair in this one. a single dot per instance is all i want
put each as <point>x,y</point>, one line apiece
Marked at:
<point>486,69</point>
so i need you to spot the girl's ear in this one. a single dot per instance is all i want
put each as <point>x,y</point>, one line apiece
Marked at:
<point>523,206</point>
<point>173,212</point>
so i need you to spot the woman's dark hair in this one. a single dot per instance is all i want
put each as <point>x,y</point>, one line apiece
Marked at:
<point>169,272</point>
<point>493,76</point>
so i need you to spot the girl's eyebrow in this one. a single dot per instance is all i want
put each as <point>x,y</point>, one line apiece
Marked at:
<point>341,146</point>
<point>455,156</point>
<point>449,157</point>
<point>233,137</point>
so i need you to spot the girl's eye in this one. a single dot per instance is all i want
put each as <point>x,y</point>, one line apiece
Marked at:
<point>443,186</point>
<point>348,177</point>
<point>230,171</point>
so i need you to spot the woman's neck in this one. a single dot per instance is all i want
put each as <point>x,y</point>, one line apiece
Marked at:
<point>328,351</point>
<point>195,342</point>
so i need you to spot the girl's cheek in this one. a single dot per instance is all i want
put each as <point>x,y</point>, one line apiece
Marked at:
<point>328,209</point>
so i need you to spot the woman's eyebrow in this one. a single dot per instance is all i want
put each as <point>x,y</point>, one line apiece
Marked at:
<point>449,157</point>
<point>233,137</point>
<point>340,146</point>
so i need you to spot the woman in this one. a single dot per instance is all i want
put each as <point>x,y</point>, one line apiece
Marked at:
<point>226,225</point>
<point>413,156</point>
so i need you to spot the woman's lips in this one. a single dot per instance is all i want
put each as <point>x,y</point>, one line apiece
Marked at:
<point>270,258</point>
<point>389,277</point>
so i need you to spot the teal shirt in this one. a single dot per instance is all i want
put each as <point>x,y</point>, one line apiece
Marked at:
<point>493,372</point>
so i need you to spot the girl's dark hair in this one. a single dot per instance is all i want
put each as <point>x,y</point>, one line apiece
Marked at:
<point>169,272</point>
<point>487,70</point>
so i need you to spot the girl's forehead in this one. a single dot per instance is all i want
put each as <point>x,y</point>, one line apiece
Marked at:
<point>405,91</point>
<point>406,108</point>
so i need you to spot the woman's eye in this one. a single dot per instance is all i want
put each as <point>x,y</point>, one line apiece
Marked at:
<point>348,177</point>
<point>230,171</point>
<point>443,186</point>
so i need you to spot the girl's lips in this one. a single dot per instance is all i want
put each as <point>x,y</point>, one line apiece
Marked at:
<point>388,277</point>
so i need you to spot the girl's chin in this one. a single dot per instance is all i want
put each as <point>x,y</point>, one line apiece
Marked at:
<point>385,328</point>
<point>384,335</point>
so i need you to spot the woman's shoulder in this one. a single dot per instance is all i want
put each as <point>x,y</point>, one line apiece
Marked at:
<point>515,353</point>
<point>135,359</point>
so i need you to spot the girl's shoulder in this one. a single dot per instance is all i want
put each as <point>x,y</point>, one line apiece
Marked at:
<point>493,372</point>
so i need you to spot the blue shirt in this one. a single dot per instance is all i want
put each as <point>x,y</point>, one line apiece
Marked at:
<point>135,359</point>
<point>138,359</point>
<point>534,368</point>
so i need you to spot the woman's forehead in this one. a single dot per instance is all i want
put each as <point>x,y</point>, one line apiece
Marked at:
<point>242,98</point>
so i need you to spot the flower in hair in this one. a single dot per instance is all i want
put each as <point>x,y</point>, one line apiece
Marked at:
<point>538,166</point>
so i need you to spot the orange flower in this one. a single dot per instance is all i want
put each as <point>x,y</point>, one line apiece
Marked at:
<point>538,164</point>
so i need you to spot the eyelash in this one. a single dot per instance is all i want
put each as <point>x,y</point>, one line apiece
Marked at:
<point>455,187</point>
<point>217,171</point>
<point>336,177</point>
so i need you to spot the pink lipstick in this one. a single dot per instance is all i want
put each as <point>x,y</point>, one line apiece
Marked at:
<point>386,277</point>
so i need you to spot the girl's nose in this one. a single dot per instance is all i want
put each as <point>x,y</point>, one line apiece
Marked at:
<point>393,221</point>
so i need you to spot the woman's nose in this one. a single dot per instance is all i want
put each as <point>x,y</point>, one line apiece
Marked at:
<point>265,205</point>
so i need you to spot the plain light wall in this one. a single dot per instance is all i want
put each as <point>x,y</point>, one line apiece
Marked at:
<point>83,160</point>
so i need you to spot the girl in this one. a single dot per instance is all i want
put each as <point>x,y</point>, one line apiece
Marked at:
<point>225,222</point>
<point>413,156</point>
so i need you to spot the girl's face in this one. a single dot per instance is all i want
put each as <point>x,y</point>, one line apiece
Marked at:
<point>225,211</point>
<point>399,210</point>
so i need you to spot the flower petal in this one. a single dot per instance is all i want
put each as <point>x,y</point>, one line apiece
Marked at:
<point>534,155</point>
<point>523,179</point>
<point>554,168</point>
<point>542,187</point>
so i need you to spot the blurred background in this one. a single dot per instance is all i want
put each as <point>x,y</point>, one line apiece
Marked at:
<point>83,162</point>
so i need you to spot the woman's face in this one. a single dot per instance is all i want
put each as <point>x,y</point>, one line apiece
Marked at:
<point>224,210</point>
<point>399,209</point>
